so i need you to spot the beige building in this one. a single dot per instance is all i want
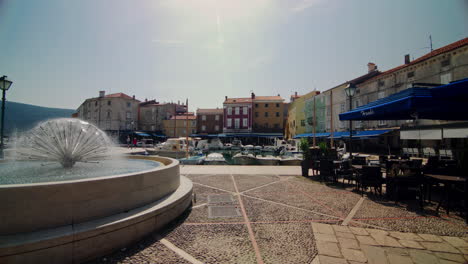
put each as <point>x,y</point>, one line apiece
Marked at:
<point>180,125</point>
<point>268,114</point>
<point>152,114</point>
<point>112,112</point>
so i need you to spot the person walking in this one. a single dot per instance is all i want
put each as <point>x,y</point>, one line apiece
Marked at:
<point>128,141</point>
<point>135,142</point>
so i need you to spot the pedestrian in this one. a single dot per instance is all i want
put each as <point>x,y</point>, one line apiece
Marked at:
<point>128,141</point>
<point>135,142</point>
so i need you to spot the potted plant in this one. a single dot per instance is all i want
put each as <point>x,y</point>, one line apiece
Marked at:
<point>304,146</point>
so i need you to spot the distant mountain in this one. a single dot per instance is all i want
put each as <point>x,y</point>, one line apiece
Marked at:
<point>21,117</point>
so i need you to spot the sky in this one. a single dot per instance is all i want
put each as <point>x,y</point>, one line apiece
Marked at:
<point>60,52</point>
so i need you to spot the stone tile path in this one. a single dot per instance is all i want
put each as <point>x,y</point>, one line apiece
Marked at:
<point>342,244</point>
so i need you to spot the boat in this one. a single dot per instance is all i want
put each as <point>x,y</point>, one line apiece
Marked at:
<point>173,148</point>
<point>258,148</point>
<point>244,159</point>
<point>248,147</point>
<point>227,146</point>
<point>215,144</point>
<point>269,149</point>
<point>268,160</point>
<point>215,159</point>
<point>291,160</point>
<point>193,160</point>
<point>236,144</point>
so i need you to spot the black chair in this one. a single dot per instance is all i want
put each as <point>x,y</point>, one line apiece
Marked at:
<point>327,170</point>
<point>346,172</point>
<point>407,184</point>
<point>370,176</point>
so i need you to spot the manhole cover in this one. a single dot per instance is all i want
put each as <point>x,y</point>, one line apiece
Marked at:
<point>223,211</point>
<point>220,198</point>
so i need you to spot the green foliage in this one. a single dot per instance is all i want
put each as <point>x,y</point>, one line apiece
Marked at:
<point>304,146</point>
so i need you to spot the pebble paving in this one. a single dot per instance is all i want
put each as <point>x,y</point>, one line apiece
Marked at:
<point>298,220</point>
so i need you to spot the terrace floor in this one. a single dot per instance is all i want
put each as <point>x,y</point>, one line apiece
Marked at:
<point>269,214</point>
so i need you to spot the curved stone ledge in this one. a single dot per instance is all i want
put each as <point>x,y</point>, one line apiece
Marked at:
<point>27,208</point>
<point>81,242</point>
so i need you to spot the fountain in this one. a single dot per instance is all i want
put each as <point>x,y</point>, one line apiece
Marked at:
<point>63,192</point>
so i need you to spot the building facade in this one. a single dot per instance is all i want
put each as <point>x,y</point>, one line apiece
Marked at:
<point>210,121</point>
<point>296,113</point>
<point>152,114</point>
<point>111,113</point>
<point>237,115</point>
<point>268,114</point>
<point>180,125</point>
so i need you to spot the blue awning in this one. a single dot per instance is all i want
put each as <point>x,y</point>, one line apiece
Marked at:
<point>445,102</point>
<point>142,134</point>
<point>306,135</point>
<point>345,134</point>
<point>157,135</point>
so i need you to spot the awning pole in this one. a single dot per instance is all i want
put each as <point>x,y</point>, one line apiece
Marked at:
<point>331,119</point>
<point>315,124</point>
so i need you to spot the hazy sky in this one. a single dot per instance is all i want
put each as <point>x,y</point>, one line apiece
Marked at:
<point>60,52</point>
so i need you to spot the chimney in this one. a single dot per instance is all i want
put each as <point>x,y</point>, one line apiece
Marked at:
<point>407,59</point>
<point>102,94</point>
<point>133,97</point>
<point>371,67</point>
<point>146,99</point>
<point>253,96</point>
<point>225,98</point>
<point>295,94</point>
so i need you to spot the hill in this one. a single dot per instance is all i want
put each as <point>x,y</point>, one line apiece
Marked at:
<point>21,117</point>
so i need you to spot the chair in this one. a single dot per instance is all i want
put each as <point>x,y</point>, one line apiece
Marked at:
<point>346,172</point>
<point>327,170</point>
<point>371,176</point>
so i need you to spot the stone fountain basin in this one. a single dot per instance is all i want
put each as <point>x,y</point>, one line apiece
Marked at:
<point>63,221</point>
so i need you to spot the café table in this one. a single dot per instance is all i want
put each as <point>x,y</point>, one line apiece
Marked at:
<point>449,183</point>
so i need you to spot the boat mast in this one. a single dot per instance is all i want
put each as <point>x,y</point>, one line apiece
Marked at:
<point>186,129</point>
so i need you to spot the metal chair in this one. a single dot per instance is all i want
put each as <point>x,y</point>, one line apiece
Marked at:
<point>371,176</point>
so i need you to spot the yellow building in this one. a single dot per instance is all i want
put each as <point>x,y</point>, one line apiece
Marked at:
<point>268,114</point>
<point>296,114</point>
<point>177,126</point>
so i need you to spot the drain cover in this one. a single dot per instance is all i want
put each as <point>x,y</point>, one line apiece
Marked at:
<point>220,198</point>
<point>223,211</point>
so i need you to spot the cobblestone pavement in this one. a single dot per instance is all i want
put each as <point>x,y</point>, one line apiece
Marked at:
<point>280,218</point>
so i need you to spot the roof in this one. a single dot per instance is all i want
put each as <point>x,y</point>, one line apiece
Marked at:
<point>237,100</point>
<point>444,49</point>
<point>268,98</point>
<point>120,95</point>
<point>211,111</point>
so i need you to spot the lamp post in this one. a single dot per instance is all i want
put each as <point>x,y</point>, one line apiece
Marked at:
<point>4,86</point>
<point>350,90</point>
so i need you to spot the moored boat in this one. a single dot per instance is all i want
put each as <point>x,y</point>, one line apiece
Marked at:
<point>215,159</point>
<point>268,160</point>
<point>244,159</point>
<point>291,160</point>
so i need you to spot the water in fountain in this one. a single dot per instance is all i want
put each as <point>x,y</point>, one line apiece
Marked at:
<point>66,149</point>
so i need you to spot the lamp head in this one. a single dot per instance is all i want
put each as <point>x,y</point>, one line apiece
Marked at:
<point>350,89</point>
<point>5,83</point>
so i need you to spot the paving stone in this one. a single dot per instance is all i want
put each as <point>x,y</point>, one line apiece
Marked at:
<point>359,231</point>
<point>463,250</point>
<point>375,255</point>
<point>429,237</point>
<point>316,260</point>
<point>322,228</point>
<point>398,259</point>
<point>455,241</point>
<point>348,243</point>
<point>397,251</point>
<point>354,255</point>
<point>331,260</point>
<point>366,240</point>
<point>385,240</point>
<point>449,256</point>
<point>346,235</point>
<point>444,261</point>
<point>410,244</point>
<point>406,236</point>
<point>325,237</point>
<point>328,248</point>
<point>377,232</point>
<point>343,229</point>
<point>354,262</point>
<point>440,247</point>
<point>423,257</point>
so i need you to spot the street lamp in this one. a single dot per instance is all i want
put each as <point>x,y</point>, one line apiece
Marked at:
<point>350,91</point>
<point>4,86</point>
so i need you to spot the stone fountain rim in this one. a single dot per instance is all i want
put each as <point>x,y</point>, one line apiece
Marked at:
<point>167,162</point>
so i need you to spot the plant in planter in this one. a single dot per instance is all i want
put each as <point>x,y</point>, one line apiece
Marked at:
<point>323,149</point>
<point>304,146</point>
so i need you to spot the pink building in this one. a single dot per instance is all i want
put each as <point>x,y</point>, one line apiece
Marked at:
<point>237,115</point>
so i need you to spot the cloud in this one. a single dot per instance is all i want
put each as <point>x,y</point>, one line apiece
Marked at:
<point>168,42</point>
<point>302,5</point>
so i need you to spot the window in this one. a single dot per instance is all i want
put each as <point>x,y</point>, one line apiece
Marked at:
<point>216,128</point>
<point>382,122</point>
<point>356,104</point>
<point>236,123</point>
<point>194,131</point>
<point>216,117</point>
<point>193,123</point>
<point>229,111</point>
<point>129,104</point>
<point>410,74</point>
<point>342,124</point>
<point>277,114</point>
<point>152,128</point>
<point>203,117</point>
<point>229,122</point>
<point>358,124</point>
<point>381,95</point>
<point>256,105</point>
<point>203,128</point>
<point>129,115</point>
<point>342,107</point>
<point>109,102</point>
<point>445,78</point>
<point>256,114</point>
<point>244,111</point>
<point>381,83</point>
<point>128,126</point>
<point>237,110</point>
<point>108,114</point>
<point>266,105</point>
<point>445,63</point>
<point>303,123</point>
<point>277,105</point>
<point>244,122</point>
<point>266,114</point>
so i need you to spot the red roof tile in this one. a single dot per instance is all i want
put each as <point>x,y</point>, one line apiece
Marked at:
<point>447,48</point>
<point>121,95</point>
<point>268,98</point>
<point>237,100</point>
<point>210,111</point>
